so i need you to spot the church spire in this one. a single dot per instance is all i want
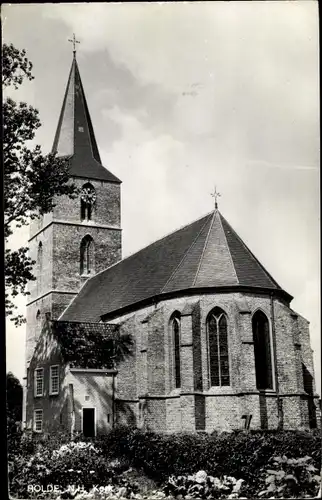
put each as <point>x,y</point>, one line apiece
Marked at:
<point>75,136</point>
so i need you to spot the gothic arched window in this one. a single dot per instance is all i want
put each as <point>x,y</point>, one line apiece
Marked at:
<point>218,348</point>
<point>87,255</point>
<point>175,342</point>
<point>38,324</point>
<point>263,351</point>
<point>87,199</point>
<point>39,267</point>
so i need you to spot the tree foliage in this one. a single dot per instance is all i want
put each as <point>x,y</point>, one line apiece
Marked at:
<point>32,180</point>
<point>14,401</point>
<point>88,345</point>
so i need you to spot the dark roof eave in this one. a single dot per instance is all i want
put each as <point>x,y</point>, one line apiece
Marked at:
<point>115,181</point>
<point>195,291</point>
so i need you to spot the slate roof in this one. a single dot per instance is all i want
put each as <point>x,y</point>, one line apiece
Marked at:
<point>75,136</point>
<point>204,254</point>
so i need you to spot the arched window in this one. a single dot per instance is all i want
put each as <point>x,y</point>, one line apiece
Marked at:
<point>87,199</point>
<point>175,326</point>
<point>263,352</point>
<point>39,267</point>
<point>38,324</point>
<point>87,255</point>
<point>218,348</point>
<point>175,342</point>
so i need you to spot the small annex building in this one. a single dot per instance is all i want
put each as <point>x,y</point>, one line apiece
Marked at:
<point>190,333</point>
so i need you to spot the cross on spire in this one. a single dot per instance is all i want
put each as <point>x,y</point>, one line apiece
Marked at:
<point>215,195</point>
<point>74,41</point>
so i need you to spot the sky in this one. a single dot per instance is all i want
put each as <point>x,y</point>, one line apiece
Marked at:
<point>183,97</point>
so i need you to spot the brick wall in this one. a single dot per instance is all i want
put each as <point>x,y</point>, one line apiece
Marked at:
<point>222,413</point>
<point>66,253</point>
<point>61,233</point>
<point>55,407</point>
<point>197,405</point>
<point>145,392</point>
<point>46,239</point>
<point>35,318</point>
<point>106,208</point>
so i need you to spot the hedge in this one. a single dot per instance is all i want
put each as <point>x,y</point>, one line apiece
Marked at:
<point>240,454</point>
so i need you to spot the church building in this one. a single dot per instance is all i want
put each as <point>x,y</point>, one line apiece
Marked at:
<point>191,333</point>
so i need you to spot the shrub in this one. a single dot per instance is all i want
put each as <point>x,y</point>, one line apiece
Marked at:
<point>78,464</point>
<point>82,462</point>
<point>203,486</point>
<point>291,478</point>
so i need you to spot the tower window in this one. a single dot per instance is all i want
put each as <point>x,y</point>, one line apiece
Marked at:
<point>263,352</point>
<point>87,255</point>
<point>218,348</point>
<point>87,198</point>
<point>38,324</point>
<point>175,326</point>
<point>39,267</point>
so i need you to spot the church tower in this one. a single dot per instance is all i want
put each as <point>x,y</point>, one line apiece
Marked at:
<point>80,237</point>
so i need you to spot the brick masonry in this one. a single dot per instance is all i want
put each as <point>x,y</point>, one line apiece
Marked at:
<point>143,392</point>
<point>60,234</point>
<point>197,406</point>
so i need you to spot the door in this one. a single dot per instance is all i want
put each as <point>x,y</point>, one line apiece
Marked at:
<point>89,422</point>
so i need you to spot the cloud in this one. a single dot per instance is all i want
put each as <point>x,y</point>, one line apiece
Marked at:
<point>187,95</point>
<point>255,64</point>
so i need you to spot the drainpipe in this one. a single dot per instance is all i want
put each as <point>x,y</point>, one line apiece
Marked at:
<point>279,401</point>
<point>113,401</point>
<point>72,427</point>
<point>24,401</point>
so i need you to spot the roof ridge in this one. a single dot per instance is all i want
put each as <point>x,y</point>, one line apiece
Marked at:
<point>231,257</point>
<point>87,116</point>
<point>253,256</point>
<point>185,255</point>
<point>204,247</point>
<point>61,114</point>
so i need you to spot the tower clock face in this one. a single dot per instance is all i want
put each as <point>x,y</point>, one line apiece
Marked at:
<point>88,195</point>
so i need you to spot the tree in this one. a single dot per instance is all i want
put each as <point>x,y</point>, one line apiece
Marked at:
<point>14,402</point>
<point>14,413</point>
<point>32,181</point>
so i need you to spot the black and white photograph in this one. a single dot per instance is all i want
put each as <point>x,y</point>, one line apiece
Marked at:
<point>162,250</point>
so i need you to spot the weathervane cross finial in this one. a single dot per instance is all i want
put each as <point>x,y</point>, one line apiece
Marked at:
<point>215,195</point>
<point>74,41</point>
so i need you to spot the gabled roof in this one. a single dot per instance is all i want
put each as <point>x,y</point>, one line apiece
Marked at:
<point>75,136</point>
<point>204,254</point>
